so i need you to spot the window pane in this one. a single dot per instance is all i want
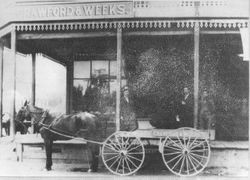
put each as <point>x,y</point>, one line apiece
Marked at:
<point>113,69</point>
<point>82,69</point>
<point>100,68</point>
<point>81,85</point>
<point>79,90</point>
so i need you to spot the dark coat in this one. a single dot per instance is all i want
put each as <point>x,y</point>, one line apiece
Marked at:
<point>128,118</point>
<point>186,111</point>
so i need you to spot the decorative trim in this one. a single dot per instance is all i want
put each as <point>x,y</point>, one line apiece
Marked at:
<point>130,25</point>
<point>141,4</point>
<point>175,3</point>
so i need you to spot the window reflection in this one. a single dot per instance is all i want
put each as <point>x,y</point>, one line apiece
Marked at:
<point>82,69</point>
<point>94,86</point>
<point>100,69</point>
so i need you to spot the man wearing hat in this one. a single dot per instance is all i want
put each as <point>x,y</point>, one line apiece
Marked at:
<point>185,109</point>
<point>128,119</point>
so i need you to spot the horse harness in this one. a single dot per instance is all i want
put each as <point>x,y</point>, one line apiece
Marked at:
<point>57,131</point>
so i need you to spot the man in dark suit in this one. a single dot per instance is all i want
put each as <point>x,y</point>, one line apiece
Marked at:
<point>128,118</point>
<point>186,109</point>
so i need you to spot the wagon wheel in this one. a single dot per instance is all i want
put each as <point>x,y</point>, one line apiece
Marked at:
<point>186,154</point>
<point>123,155</point>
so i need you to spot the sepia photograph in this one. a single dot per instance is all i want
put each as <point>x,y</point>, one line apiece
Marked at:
<point>124,89</point>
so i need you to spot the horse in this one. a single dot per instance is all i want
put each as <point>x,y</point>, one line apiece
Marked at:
<point>65,127</point>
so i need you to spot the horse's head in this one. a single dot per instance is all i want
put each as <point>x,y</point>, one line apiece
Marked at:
<point>23,113</point>
<point>28,112</point>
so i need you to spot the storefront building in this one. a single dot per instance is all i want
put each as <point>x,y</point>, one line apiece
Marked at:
<point>154,47</point>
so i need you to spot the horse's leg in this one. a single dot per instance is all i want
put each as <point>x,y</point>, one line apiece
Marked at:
<point>8,128</point>
<point>48,148</point>
<point>94,149</point>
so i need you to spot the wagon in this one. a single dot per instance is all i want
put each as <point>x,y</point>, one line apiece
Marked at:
<point>185,151</point>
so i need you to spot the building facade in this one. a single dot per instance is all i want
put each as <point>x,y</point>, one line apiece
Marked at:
<point>154,47</point>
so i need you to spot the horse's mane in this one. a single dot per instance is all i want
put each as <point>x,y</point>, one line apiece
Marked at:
<point>35,109</point>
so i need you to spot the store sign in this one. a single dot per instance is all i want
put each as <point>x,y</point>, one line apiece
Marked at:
<point>78,11</point>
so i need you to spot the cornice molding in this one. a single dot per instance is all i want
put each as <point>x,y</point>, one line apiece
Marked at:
<point>154,24</point>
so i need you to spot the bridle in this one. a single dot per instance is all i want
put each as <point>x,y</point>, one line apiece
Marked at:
<point>36,112</point>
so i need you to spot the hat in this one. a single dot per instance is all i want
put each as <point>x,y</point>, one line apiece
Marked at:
<point>125,88</point>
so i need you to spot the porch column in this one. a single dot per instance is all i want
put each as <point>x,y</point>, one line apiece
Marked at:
<point>69,86</point>
<point>196,72</point>
<point>118,77</point>
<point>1,85</point>
<point>33,90</point>
<point>13,108</point>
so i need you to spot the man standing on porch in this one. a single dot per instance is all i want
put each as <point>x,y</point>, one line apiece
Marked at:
<point>128,118</point>
<point>185,112</point>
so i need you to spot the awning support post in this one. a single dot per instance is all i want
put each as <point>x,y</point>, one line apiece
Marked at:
<point>196,72</point>
<point>118,77</point>
<point>1,85</point>
<point>33,90</point>
<point>13,108</point>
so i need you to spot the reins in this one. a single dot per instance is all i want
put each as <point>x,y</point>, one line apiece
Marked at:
<point>69,136</point>
<point>64,134</point>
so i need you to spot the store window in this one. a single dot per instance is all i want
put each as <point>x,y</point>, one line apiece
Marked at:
<point>94,88</point>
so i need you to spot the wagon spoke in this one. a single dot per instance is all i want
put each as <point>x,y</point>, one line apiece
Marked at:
<point>191,162</point>
<point>197,145</point>
<point>123,143</point>
<point>114,145</point>
<point>109,153</point>
<point>131,162</point>
<point>187,164</point>
<point>134,158</point>
<point>184,138</point>
<point>127,164</point>
<point>123,166</point>
<point>126,143</point>
<point>112,158</point>
<point>189,138</point>
<point>115,162</point>
<point>182,163</point>
<point>131,143</point>
<point>177,162</point>
<point>117,168</point>
<point>179,150</point>
<point>136,153</point>
<point>199,156</point>
<point>199,150</point>
<point>174,158</point>
<point>193,142</point>
<point>119,144</point>
<point>111,147</point>
<point>180,141</point>
<point>129,150</point>
<point>178,146</point>
<point>196,160</point>
<point>172,153</point>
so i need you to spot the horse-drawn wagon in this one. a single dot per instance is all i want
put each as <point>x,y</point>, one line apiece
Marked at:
<point>185,151</point>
